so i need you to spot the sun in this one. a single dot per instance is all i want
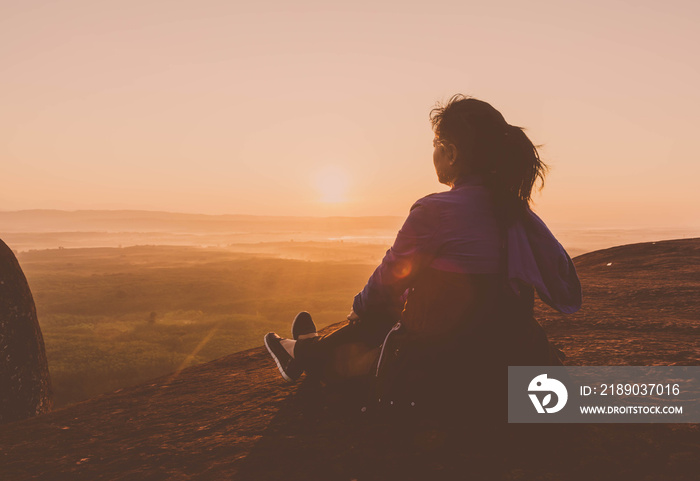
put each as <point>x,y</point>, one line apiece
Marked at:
<point>332,184</point>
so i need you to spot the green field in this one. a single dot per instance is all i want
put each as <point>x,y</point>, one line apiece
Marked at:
<point>114,317</point>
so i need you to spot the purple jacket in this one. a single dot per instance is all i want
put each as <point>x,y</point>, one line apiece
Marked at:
<point>457,231</point>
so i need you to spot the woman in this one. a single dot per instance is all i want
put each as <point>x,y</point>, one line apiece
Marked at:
<point>453,297</point>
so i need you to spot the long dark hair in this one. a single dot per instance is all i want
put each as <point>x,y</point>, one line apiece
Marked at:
<point>489,146</point>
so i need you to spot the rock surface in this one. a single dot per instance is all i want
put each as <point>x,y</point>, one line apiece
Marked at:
<point>25,385</point>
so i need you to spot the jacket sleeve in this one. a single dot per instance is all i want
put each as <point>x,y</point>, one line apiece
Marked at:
<point>414,248</point>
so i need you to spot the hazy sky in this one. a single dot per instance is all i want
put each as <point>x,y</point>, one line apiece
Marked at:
<point>321,108</point>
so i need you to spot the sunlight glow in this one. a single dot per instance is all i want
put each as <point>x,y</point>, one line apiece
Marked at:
<point>332,184</point>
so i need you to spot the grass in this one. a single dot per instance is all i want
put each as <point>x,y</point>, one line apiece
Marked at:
<point>116,317</point>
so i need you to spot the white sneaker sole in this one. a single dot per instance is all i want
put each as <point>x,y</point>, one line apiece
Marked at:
<point>277,361</point>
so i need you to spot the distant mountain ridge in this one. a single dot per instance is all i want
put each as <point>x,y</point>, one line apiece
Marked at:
<point>46,220</point>
<point>50,229</point>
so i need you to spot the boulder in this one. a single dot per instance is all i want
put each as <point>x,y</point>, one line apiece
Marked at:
<point>25,385</point>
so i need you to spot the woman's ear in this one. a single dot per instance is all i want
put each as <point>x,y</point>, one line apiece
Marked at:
<point>451,151</point>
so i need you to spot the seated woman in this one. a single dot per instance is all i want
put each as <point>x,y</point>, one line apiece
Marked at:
<point>451,305</point>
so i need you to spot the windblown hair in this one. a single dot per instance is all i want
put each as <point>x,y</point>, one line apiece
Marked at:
<point>489,146</point>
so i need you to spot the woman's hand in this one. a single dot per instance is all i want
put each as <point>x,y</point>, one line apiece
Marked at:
<point>353,318</point>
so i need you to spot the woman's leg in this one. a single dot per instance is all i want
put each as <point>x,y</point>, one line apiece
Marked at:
<point>348,352</point>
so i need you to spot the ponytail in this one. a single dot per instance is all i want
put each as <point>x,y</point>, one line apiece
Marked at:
<point>515,171</point>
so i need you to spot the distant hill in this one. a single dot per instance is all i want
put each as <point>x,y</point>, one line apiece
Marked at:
<point>152,221</point>
<point>234,418</point>
<point>51,229</point>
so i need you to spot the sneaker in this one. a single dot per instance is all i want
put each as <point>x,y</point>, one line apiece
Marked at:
<point>303,326</point>
<point>286,364</point>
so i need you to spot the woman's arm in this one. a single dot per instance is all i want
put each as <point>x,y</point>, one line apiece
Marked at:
<point>414,248</point>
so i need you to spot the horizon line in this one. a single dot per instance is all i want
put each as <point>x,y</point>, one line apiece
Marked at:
<point>76,211</point>
<point>559,224</point>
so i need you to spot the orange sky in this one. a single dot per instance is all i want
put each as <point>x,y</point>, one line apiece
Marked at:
<point>306,108</point>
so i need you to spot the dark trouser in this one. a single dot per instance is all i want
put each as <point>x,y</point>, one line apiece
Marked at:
<point>459,334</point>
<point>349,352</point>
